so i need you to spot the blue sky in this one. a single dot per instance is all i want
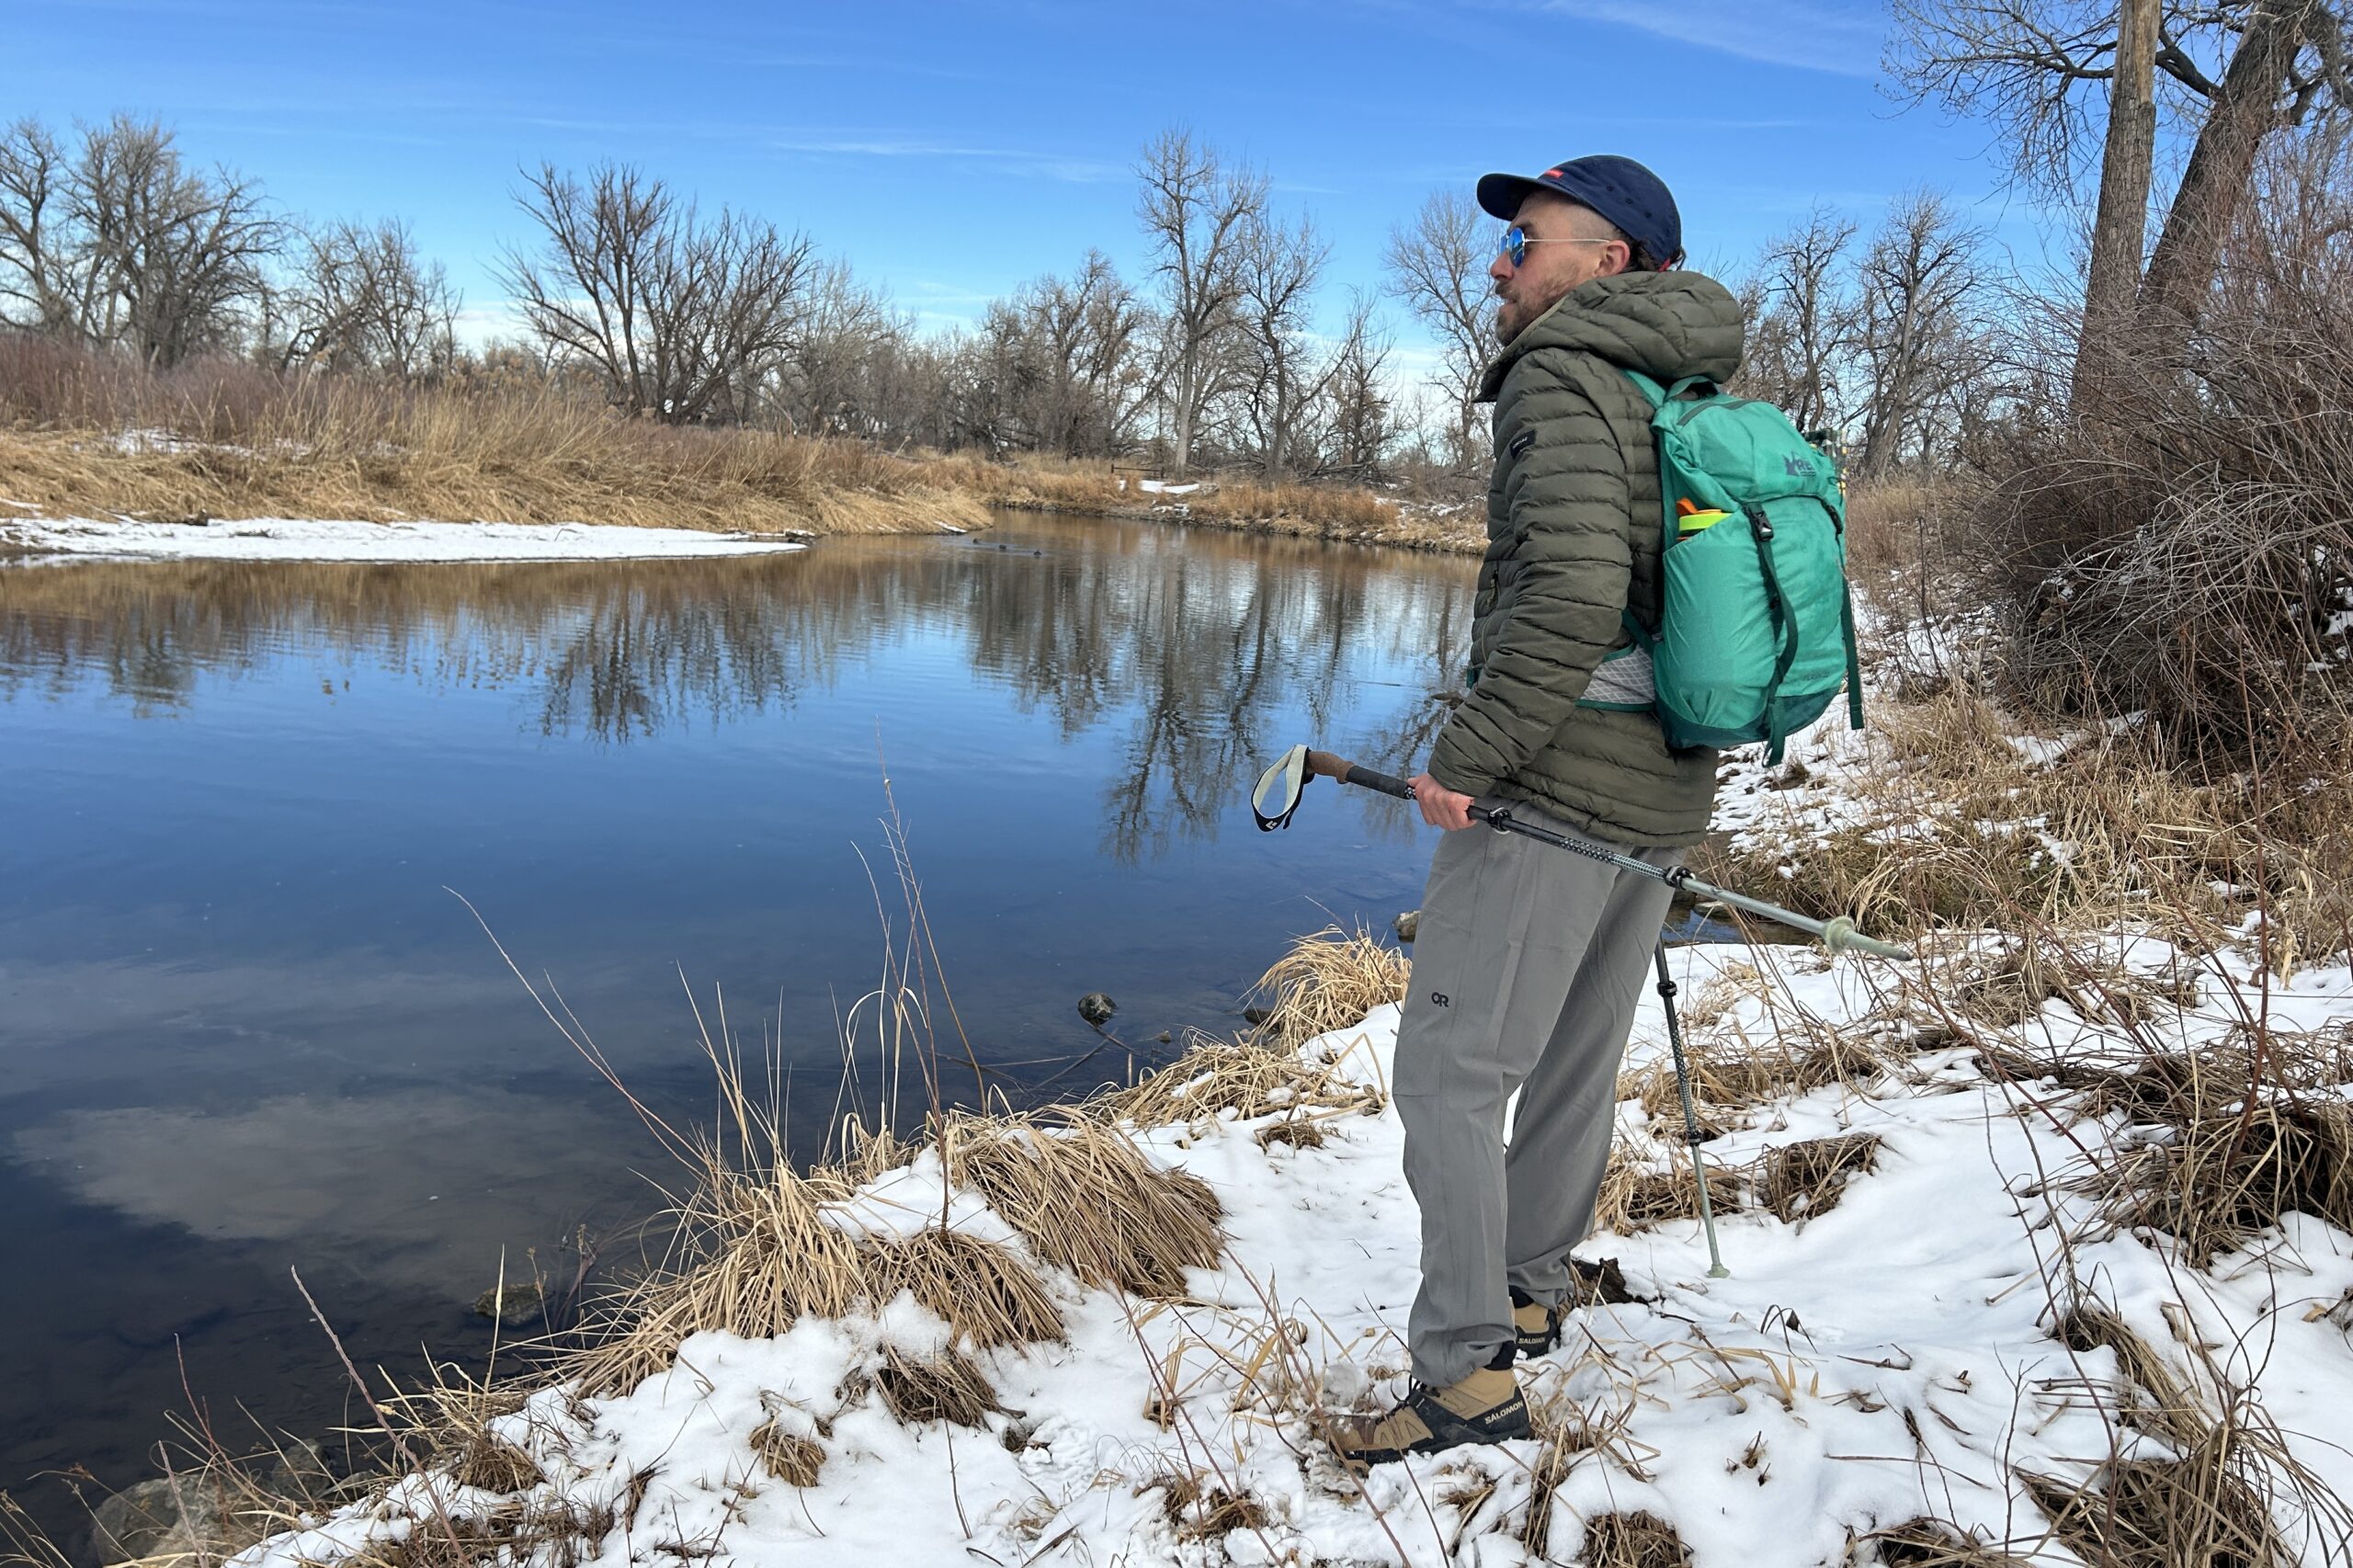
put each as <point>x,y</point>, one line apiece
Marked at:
<point>948,152</point>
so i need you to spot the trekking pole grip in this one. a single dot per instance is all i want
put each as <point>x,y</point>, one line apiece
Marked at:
<point>1324,765</point>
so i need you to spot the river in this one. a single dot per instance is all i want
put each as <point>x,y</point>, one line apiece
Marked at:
<point>250,1022</point>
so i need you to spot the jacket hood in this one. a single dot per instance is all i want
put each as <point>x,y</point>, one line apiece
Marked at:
<point>1665,324</point>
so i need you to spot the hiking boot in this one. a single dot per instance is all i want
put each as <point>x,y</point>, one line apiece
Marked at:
<point>1536,1327</point>
<point>1486,1407</point>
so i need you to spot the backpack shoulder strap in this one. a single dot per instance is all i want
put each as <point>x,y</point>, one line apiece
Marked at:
<point>1655,393</point>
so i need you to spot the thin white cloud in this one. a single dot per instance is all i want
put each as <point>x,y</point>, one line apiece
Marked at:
<point>1017,161</point>
<point>1800,33</point>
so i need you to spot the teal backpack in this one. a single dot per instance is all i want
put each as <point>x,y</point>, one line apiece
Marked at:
<point>1759,630</point>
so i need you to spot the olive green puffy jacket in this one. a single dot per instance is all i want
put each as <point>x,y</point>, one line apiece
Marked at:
<point>1572,540</point>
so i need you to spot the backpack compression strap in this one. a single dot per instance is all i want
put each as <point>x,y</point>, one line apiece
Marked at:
<point>1785,632</point>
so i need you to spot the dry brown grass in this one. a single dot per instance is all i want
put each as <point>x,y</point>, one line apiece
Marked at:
<point>1794,1181</point>
<point>1898,545</point>
<point>233,441</point>
<point>1730,1079</point>
<point>1925,1542</point>
<point>87,433</point>
<point>1328,980</point>
<point>1635,1200</point>
<point>984,1290</point>
<point>751,1254</point>
<point>790,1456</point>
<point>1215,1076</point>
<point>2250,1140</point>
<point>1803,1181</point>
<point>1086,1199</point>
<point>947,1386</point>
<point>1199,1512</point>
<point>1956,827</point>
<point>2214,1486</point>
<point>1632,1540</point>
<point>2167,1513</point>
<point>1339,512</point>
<point>2150,1397</point>
<point>350,453</point>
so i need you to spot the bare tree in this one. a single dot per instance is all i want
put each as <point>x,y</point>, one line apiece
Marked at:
<point>2290,58</point>
<point>2239,70</point>
<point>1438,268</point>
<point>37,265</point>
<point>1280,378</point>
<point>2128,166</point>
<point>1803,319</point>
<point>678,314</point>
<point>1916,338</point>
<point>1074,349</point>
<point>1354,415</point>
<point>1107,358</point>
<point>121,243</point>
<point>1196,211</point>
<point>845,326</point>
<point>363,299</point>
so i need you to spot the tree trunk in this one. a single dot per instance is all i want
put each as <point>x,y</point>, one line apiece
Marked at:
<point>2245,109</point>
<point>2120,228</point>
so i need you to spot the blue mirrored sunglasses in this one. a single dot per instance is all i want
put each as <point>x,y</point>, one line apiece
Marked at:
<point>1517,240</point>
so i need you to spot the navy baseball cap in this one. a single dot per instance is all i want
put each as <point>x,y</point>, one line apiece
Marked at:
<point>1618,188</point>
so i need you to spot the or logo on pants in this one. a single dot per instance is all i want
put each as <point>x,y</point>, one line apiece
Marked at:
<point>1438,999</point>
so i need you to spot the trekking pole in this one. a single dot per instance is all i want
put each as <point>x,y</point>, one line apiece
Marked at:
<point>1667,988</point>
<point>1281,786</point>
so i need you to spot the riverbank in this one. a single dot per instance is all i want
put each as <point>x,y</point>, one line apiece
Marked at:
<point>2117,1321</point>
<point>550,462</point>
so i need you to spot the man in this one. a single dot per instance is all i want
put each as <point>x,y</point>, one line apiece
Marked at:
<point>1528,961</point>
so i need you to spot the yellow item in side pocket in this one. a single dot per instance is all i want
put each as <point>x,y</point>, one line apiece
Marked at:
<point>1694,522</point>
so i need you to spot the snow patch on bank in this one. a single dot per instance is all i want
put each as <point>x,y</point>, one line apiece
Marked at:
<point>1889,1357</point>
<point>325,539</point>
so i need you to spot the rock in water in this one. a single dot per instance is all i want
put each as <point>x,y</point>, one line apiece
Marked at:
<point>1097,1009</point>
<point>182,1517</point>
<point>1405,924</point>
<point>521,1306</point>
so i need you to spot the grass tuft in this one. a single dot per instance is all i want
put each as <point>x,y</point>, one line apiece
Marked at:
<point>984,1291</point>
<point>1197,1513</point>
<point>790,1456</point>
<point>1086,1199</point>
<point>1632,1540</point>
<point>751,1252</point>
<point>2249,1134</point>
<point>948,1386</point>
<point>1801,1181</point>
<point>2164,1513</point>
<point>1328,981</point>
<point>1925,1542</point>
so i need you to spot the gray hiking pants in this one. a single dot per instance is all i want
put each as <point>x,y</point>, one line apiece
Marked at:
<point>1527,969</point>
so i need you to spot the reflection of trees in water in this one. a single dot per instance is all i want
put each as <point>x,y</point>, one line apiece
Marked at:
<point>1206,638</point>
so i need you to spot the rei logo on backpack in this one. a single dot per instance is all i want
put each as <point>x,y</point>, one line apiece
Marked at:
<point>1759,630</point>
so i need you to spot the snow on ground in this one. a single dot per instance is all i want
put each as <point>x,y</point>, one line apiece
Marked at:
<point>1889,1359</point>
<point>317,539</point>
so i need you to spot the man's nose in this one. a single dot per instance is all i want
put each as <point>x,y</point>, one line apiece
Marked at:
<point>1500,269</point>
